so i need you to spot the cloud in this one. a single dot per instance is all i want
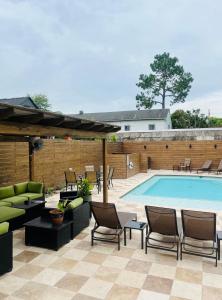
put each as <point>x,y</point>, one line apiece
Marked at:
<point>208,104</point>
<point>89,54</point>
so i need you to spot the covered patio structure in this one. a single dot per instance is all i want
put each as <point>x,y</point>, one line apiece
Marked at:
<point>18,123</point>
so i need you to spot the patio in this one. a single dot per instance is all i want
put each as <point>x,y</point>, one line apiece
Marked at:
<point>79,271</point>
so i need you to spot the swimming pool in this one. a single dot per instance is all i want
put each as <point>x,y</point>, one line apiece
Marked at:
<point>179,191</point>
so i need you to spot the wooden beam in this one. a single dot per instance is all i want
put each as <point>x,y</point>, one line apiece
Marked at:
<point>6,113</point>
<point>71,124</point>
<point>4,138</point>
<point>31,118</point>
<point>105,185</point>
<point>24,129</point>
<point>53,121</point>
<point>31,159</point>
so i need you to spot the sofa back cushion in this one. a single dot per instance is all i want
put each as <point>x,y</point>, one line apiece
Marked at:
<point>4,227</point>
<point>7,191</point>
<point>21,188</point>
<point>75,203</point>
<point>35,187</point>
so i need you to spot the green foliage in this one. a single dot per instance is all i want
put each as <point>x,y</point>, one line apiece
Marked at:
<point>84,188</point>
<point>167,80</point>
<point>41,101</point>
<point>189,119</point>
<point>113,138</point>
<point>62,205</point>
<point>215,122</point>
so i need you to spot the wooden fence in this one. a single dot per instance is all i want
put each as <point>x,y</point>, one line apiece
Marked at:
<point>14,162</point>
<point>56,156</point>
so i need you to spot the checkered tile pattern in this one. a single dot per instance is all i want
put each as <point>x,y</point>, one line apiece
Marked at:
<point>81,272</point>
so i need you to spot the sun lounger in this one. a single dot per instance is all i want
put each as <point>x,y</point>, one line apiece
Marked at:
<point>219,168</point>
<point>206,166</point>
<point>109,224</point>
<point>163,230</point>
<point>199,234</point>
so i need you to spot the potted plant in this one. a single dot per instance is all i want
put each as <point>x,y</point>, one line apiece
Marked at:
<point>57,214</point>
<point>85,190</point>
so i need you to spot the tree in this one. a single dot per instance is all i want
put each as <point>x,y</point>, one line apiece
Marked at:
<point>215,122</point>
<point>167,80</point>
<point>41,101</point>
<point>189,119</point>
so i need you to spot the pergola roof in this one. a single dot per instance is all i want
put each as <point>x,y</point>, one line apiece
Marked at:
<point>14,115</point>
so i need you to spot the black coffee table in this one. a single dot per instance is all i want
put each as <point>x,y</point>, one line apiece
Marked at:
<point>138,226</point>
<point>33,209</point>
<point>41,232</point>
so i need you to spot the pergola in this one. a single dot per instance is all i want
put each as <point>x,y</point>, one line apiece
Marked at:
<point>17,122</point>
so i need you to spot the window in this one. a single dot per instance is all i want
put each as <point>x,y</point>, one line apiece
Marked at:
<point>151,126</point>
<point>127,128</point>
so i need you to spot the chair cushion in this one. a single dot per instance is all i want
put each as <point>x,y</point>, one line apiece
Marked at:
<point>6,192</point>
<point>4,227</point>
<point>35,187</point>
<point>21,188</point>
<point>16,199</point>
<point>75,203</point>
<point>31,196</point>
<point>4,203</point>
<point>8,213</point>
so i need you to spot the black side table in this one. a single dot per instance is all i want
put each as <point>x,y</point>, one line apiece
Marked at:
<point>219,238</point>
<point>138,226</point>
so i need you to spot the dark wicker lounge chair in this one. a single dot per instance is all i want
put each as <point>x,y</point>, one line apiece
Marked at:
<point>206,166</point>
<point>219,168</point>
<point>70,178</point>
<point>199,234</point>
<point>163,230</point>
<point>109,224</point>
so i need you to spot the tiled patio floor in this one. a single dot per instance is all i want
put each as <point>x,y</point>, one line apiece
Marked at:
<point>81,272</point>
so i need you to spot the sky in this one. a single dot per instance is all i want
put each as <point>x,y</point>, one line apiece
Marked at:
<point>88,54</point>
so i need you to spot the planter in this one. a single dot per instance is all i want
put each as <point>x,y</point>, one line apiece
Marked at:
<point>87,198</point>
<point>56,216</point>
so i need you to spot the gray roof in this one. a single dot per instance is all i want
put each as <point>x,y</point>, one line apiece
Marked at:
<point>21,101</point>
<point>131,115</point>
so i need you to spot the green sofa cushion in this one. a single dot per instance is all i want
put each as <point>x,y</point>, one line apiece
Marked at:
<point>4,227</point>
<point>6,192</point>
<point>4,203</point>
<point>8,213</point>
<point>21,188</point>
<point>75,203</point>
<point>31,196</point>
<point>35,187</point>
<point>16,200</point>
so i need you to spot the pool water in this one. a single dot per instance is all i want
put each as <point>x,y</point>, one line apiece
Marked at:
<point>179,191</point>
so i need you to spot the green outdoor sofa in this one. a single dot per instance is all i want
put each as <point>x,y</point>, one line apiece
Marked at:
<point>17,194</point>
<point>6,262</point>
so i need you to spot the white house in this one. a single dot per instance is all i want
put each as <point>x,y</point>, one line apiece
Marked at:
<point>133,120</point>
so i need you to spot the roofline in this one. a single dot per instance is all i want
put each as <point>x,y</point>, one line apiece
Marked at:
<point>125,111</point>
<point>32,102</point>
<point>36,106</point>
